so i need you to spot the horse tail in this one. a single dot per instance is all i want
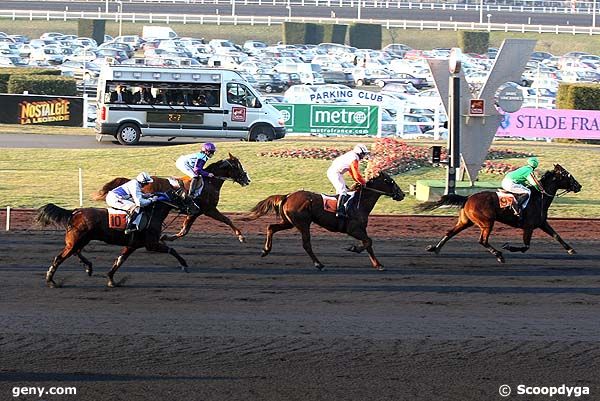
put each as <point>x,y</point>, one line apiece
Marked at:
<point>271,204</point>
<point>52,214</point>
<point>109,186</point>
<point>451,200</point>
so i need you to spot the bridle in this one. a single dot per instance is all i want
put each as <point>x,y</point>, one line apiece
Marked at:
<point>223,178</point>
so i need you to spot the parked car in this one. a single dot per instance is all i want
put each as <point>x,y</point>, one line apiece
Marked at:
<point>338,77</point>
<point>270,83</point>
<point>80,70</point>
<point>290,79</point>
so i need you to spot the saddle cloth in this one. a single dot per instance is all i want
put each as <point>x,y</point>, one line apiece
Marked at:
<point>505,199</point>
<point>117,219</point>
<point>330,202</point>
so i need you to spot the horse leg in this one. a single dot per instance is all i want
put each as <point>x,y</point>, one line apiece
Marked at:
<point>88,265</point>
<point>272,229</point>
<point>547,228</point>
<point>305,231</point>
<point>483,240</point>
<point>185,228</point>
<point>215,214</point>
<point>162,248</point>
<point>526,241</point>
<point>463,223</point>
<point>61,257</point>
<point>125,252</point>
<point>361,235</point>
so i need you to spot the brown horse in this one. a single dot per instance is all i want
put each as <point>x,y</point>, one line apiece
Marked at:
<point>86,224</point>
<point>226,169</point>
<point>482,209</point>
<point>301,208</point>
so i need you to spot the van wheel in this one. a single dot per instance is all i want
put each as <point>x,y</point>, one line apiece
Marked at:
<point>268,89</point>
<point>360,82</point>
<point>129,134</point>
<point>262,133</point>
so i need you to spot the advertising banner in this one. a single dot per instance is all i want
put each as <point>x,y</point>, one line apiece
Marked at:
<point>547,123</point>
<point>325,119</point>
<point>41,110</point>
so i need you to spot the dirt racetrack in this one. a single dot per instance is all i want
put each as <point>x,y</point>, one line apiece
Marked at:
<point>241,327</point>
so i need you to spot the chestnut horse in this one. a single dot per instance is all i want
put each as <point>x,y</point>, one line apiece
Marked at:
<point>482,209</point>
<point>301,208</point>
<point>86,224</point>
<point>226,169</point>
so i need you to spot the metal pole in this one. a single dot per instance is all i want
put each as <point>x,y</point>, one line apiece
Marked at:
<point>454,134</point>
<point>80,187</point>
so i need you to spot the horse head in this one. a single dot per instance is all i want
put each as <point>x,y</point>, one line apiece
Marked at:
<point>231,168</point>
<point>564,179</point>
<point>386,185</point>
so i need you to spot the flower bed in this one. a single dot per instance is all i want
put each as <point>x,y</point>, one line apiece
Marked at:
<point>394,157</point>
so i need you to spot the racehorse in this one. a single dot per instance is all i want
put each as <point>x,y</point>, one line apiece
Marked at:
<point>301,208</point>
<point>86,224</point>
<point>483,209</point>
<point>226,169</point>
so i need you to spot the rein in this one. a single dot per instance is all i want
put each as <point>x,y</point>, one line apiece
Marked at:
<point>379,192</point>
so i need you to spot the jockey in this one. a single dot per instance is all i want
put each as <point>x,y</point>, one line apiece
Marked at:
<point>130,198</point>
<point>193,166</point>
<point>517,182</point>
<point>346,162</point>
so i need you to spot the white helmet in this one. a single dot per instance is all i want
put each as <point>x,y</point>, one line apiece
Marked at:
<point>144,178</point>
<point>361,150</point>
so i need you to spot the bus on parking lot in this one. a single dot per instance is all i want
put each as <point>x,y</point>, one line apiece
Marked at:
<point>135,101</point>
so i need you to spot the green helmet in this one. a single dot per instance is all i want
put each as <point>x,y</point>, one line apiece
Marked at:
<point>533,162</point>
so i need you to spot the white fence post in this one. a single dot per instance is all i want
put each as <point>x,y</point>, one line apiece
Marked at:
<point>80,187</point>
<point>7,218</point>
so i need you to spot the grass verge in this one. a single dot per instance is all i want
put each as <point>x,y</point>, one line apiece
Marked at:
<point>34,177</point>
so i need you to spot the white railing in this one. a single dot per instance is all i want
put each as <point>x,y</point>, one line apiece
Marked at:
<point>213,19</point>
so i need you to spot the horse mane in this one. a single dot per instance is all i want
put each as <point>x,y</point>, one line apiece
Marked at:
<point>109,186</point>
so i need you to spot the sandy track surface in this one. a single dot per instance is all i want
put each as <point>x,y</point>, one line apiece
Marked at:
<point>240,327</point>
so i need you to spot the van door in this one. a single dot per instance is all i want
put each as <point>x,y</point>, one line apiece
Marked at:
<point>244,109</point>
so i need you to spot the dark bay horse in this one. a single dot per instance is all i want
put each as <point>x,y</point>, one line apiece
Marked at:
<point>86,224</point>
<point>226,169</point>
<point>482,209</point>
<point>301,208</point>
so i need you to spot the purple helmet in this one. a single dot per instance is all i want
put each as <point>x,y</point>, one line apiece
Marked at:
<point>209,148</point>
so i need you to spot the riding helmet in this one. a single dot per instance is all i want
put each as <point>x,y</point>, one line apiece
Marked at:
<point>209,148</point>
<point>533,162</point>
<point>361,150</point>
<point>144,178</point>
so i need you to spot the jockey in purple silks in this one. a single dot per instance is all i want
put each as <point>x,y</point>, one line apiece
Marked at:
<point>192,165</point>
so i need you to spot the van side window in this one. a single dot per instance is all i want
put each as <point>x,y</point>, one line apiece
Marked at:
<point>240,94</point>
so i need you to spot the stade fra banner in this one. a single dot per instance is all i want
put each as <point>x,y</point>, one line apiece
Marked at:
<point>41,110</point>
<point>545,123</point>
<point>325,119</point>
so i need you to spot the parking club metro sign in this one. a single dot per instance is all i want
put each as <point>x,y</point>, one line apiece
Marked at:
<point>330,119</point>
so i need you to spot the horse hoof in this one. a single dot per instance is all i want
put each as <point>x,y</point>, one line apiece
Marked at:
<point>241,238</point>
<point>506,245</point>
<point>184,269</point>
<point>264,253</point>
<point>89,271</point>
<point>110,284</point>
<point>380,268</point>
<point>571,251</point>
<point>433,248</point>
<point>500,258</point>
<point>50,284</point>
<point>319,266</point>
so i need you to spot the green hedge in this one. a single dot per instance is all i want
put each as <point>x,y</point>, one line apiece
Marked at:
<point>578,97</point>
<point>300,33</point>
<point>42,85</point>
<point>474,42</point>
<point>335,33</point>
<point>6,73</point>
<point>365,36</point>
<point>92,28</point>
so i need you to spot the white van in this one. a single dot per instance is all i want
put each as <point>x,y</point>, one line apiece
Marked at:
<point>182,102</point>
<point>158,32</point>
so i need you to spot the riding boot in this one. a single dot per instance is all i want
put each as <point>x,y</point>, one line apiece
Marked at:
<point>134,220</point>
<point>193,185</point>
<point>341,208</point>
